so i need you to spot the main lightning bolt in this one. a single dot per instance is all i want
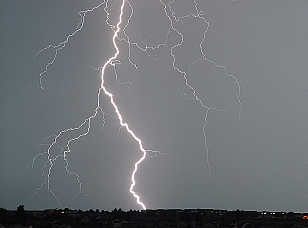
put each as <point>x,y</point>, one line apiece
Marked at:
<point>112,61</point>
<point>123,124</point>
<point>87,122</point>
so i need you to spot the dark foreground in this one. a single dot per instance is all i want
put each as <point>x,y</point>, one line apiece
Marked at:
<point>164,218</point>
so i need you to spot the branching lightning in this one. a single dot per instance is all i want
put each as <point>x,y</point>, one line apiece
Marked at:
<point>199,15</point>
<point>112,62</point>
<point>62,44</point>
<point>171,15</point>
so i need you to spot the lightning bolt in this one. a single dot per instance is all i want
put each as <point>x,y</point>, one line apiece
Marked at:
<point>173,19</point>
<point>123,124</point>
<point>63,44</point>
<point>85,126</point>
<point>87,122</point>
<point>199,15</point>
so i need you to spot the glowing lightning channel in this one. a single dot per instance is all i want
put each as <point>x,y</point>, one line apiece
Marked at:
<point>123,124</point>
<point>171,15</point>
<point>112,61</point>
<point>62,44</point>
<point>173,20</point>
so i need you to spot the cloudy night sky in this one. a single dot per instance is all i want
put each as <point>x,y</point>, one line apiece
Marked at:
<point>256,112</point>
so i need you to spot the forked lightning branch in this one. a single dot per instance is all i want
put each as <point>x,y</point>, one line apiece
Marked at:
<point>118,28</point>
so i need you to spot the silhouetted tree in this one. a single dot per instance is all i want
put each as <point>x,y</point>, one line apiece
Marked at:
<point>21,216</point>
<point>20,209</point>
<point>290,214</point>
<point>3,211</point>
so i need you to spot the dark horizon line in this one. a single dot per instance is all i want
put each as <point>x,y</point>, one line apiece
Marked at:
<point>159,209</point>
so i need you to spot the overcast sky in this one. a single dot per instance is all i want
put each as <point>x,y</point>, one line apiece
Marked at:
<point>257,147</point>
